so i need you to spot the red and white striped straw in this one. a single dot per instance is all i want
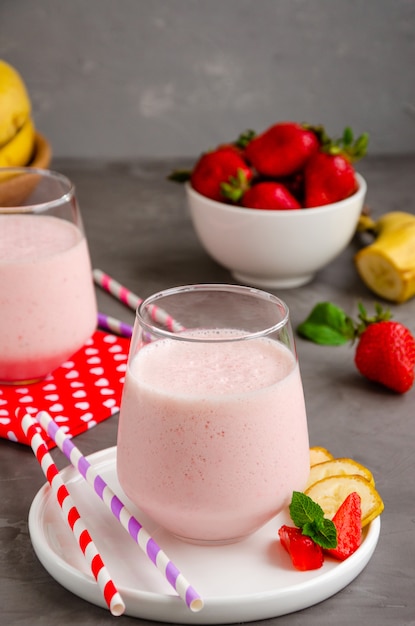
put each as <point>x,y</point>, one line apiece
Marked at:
<point>121,513</point>
<point>129,298</point>
<point>110,592</point>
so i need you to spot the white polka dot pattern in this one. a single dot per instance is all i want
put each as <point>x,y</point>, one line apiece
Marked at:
<point>82,392</point>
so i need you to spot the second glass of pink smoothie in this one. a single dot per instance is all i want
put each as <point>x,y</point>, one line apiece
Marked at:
<point>212,437</point>
<point>47,298</point>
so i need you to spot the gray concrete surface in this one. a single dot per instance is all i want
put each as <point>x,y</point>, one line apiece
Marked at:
<point>139,232</point>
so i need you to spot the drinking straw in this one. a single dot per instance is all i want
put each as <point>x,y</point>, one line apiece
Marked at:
<point>129,298</point>
<point>121,513</point>
<point>116,289</point>
<point>116,326</point>
<point>111,594</point>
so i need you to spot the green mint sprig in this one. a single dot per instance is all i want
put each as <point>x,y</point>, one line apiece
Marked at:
<point>329,325</point>
<point>309,517</point>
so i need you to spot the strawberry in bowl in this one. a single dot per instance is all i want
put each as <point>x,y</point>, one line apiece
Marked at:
<point>276,207</point>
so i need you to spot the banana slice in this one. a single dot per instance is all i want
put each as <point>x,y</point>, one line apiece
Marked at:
<point>338,467</point>
<point>331,492</point>
<point>19,150</point>
<point>319,455</point>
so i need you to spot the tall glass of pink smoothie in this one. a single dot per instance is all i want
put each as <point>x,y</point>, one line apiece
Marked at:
<point>212,436</point>
<point>47,298</point>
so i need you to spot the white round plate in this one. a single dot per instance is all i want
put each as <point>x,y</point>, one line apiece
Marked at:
<point>250,580</point>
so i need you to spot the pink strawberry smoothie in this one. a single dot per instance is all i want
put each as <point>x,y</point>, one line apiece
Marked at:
<point>212,437</point>
<point>47,300</point>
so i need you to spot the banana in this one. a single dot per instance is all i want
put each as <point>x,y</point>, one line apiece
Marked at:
<point>387,266</point>
<point>15,103</point>
<point>19,150</point>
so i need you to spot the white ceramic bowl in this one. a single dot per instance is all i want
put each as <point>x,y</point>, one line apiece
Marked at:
<point>280,249</point>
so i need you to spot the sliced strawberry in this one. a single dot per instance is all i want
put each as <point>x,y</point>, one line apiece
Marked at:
<point>348,523</point>
<point>304,552</point>
<point>282,150</point>
<point>215,168</point>
<point>269,195</point>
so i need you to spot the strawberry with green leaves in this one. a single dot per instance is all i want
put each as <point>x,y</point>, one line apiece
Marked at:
<point>385,351</point>
<point>386,354</point>
<point>223,166</point>
<point>282,149</point>
<point>329,175</point>
<point>222,174</point>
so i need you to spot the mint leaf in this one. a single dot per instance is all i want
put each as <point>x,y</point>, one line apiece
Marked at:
<point>327,325</point>
<point>309,516</point>
<point>325,533</point>
<point>304,510</point>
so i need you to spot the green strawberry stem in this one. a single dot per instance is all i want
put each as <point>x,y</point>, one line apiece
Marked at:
<point>346,145</point>
<point>235,187</point>
<point>365,321</point>
<point>245,138</point>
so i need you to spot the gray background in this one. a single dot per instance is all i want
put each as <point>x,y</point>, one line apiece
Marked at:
<point>119,79</point>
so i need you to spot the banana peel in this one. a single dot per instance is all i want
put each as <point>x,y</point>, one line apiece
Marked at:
<point>387,266</point>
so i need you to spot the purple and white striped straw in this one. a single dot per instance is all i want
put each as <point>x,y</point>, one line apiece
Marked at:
<point>122,514</point>
<point>113,325</point>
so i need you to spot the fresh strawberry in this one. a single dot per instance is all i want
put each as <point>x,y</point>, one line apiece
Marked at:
<point>348,523</point>
<point>386,354</point>
<point>282,150</point>
<point>304,552</point>
<point>329,175</point>
<point>328,178</point>
<point>217,167</point>
<point>269,195</point>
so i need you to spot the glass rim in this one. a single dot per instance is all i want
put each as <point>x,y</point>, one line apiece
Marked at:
<point>39,207</point>
<point>152,300</point>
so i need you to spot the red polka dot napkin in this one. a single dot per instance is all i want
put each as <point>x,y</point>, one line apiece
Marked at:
<point>82,392</point>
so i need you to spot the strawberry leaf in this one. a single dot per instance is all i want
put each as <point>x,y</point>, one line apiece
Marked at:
<point>327,325</point>
<point>235,187</point>
<point>245,138</point>
<point>348,136</point>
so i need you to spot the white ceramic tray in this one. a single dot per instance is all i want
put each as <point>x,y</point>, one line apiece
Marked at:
<point>246,581</point>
